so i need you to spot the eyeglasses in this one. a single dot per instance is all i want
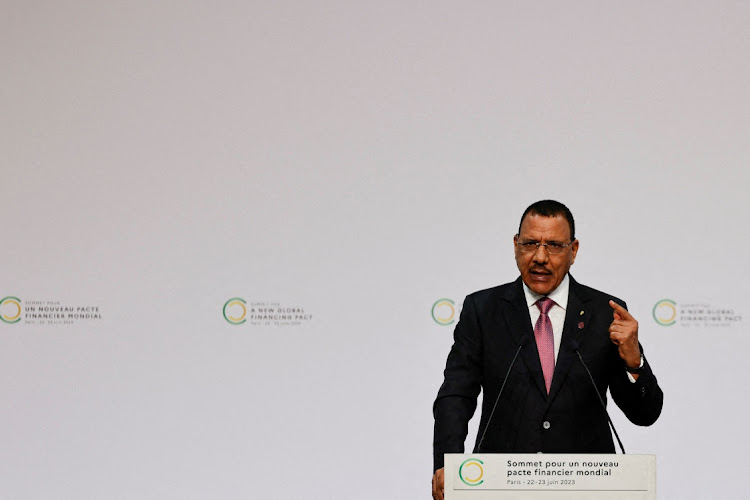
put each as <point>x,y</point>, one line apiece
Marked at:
<point>553,247</point>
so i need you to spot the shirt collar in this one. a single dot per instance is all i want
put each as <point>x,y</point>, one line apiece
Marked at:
<point>559,295</point>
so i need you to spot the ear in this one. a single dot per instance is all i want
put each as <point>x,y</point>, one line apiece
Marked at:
<point>574,250</point>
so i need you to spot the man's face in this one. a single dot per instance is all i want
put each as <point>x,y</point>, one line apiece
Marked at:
<point>541,271</point>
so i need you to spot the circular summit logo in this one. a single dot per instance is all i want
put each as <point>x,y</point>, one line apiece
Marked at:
<point>665,312</point>
<point>10,310</point>
<point>471,472</point>
<point>443,312</point>
<point>235,311</point>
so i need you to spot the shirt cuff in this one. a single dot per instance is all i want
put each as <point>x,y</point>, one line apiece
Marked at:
<point>630,375</point>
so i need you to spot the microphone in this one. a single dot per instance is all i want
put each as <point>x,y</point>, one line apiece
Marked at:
<point>524,341</point>
<point>604,406</point>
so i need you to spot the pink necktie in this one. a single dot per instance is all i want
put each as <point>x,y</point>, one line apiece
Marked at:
<point>545,342</point>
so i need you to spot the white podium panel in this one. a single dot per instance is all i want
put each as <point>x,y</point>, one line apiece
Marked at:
<point>545,476</point>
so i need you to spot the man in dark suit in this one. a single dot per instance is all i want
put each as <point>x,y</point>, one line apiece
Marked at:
<point>544,320</point>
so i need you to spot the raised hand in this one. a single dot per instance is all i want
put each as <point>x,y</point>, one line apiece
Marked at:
<point>624,334</point>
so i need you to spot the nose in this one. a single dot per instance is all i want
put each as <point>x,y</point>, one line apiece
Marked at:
<point>541,256</point>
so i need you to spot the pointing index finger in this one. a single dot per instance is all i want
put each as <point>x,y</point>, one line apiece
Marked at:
<point>624,314</point>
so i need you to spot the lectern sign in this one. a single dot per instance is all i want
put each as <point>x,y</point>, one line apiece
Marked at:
<point>545,476</point>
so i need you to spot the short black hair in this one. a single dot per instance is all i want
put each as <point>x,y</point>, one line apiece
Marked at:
<point>550,208</point>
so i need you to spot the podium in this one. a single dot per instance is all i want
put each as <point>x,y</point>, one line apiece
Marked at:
<point>484,476</point>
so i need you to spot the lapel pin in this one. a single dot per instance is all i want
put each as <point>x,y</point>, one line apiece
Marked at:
<point>580,325</point>
<point>581,313</point>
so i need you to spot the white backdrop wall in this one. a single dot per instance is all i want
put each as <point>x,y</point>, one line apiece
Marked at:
<point>353,162</point>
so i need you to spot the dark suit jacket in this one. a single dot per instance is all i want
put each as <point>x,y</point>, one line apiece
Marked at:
<point>492,326</point>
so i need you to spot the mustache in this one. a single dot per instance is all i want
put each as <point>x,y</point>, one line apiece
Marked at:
<point>538,269</point>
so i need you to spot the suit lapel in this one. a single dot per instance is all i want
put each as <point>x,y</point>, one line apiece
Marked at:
<point>519,324</point>
<point>577,319</point>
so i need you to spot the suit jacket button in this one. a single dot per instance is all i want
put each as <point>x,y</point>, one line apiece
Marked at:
<point>546,424</point>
